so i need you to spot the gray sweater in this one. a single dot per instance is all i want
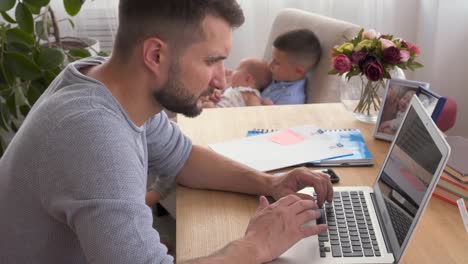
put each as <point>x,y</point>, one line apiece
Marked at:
<point>73,179</point>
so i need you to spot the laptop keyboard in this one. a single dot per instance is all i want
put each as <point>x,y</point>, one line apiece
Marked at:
<point>350,232</point>
<point>403,224</point>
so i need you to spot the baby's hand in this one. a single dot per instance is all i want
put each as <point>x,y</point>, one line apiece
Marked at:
<point>267,101</point>
<point>384,126</point>
<point>216,96</point>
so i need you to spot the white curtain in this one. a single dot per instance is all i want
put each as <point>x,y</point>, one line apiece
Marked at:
<point>438,27</point>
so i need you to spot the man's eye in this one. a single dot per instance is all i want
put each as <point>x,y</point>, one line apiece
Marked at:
<point>212,61</point>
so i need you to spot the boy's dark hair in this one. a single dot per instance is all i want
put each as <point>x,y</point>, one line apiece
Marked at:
<point>177,22</point>
<point>302,47</point>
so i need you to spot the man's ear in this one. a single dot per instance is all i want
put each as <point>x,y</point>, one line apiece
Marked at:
<point>155,55</point>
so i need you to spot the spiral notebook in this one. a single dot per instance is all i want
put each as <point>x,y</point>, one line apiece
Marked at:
<point>288,147</point>
<point>350,138</point>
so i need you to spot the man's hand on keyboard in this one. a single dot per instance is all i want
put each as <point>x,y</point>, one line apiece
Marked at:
<point>295,180</point>
<point>276,227</point>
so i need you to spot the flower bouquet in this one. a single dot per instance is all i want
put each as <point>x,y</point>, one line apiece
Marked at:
<point>372,56</point>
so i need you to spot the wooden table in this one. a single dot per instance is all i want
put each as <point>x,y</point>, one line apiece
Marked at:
<point>208,220</point>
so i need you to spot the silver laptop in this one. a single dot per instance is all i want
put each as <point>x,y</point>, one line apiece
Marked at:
<point>375,225</point>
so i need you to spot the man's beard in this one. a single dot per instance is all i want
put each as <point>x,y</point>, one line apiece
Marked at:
<point>176,97</point>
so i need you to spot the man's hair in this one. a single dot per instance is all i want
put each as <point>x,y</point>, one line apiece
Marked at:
<point>260,72</point>
<point>177,22</point>
<point>301,46</point>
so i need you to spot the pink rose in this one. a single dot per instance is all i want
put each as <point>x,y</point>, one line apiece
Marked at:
<point>370,34</point>
<point>413,48</point>
<point>341,63</point>
<point>404,55</point>
<point>386,43</point>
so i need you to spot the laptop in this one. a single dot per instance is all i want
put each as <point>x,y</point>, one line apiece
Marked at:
<point>375,225</point>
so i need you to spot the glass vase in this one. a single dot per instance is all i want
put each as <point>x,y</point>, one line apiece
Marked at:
<point>362,97</point>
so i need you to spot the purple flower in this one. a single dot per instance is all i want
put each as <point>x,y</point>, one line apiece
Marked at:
<point>373,70</point>
<point>368,58</point>
<point>358,56</point>
<point>341,63</point>
<point>392,55</point>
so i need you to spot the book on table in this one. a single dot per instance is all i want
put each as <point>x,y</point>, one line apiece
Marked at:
<point>453,185</point>
<point>446,196</point>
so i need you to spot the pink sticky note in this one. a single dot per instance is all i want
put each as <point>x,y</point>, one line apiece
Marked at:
<point>287,137</point>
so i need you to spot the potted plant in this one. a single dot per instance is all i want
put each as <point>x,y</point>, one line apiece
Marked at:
<point>32,53</point>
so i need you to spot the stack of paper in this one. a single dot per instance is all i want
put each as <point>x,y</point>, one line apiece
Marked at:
<point>283,148</point>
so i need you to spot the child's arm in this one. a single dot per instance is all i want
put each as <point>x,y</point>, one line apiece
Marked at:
<point>251,99</point>
<point>267,101</point>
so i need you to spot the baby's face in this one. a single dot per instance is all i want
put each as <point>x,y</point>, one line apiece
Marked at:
<point>239,76</point>
<point>405,101</point>
<point>280,67</point>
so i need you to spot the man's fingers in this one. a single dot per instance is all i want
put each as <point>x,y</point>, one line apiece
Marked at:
<point>330,191</point>
<point>307,215</point>
<point>303,205</point>
<point>263,203</point>
<point>321,184</point>
<point>313,230</point>
<point>288,200</point>
<point>305,196</point>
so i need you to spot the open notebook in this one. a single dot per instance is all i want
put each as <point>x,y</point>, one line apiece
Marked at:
<point>264,153</point>
<point>350,138</point>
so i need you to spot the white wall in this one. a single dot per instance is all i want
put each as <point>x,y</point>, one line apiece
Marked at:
<point>438,27</point>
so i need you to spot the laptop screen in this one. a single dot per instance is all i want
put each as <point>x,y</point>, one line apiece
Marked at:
<point>407,174</point>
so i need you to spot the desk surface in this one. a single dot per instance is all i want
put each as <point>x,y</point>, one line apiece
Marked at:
<point>208,220</point>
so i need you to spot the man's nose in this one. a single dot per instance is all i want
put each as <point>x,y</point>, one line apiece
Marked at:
<point>219,78</point>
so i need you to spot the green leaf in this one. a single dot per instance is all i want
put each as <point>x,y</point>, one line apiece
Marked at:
<point>13,126</point>
<point>6,5</point>
<point>73,6</point>
<point>16,35</point>
<point>24,18</point>
<point>6,73</point>
<point>387,75</point>
<point>24,110</point>
<point>79,53</point>
<point>332,72</point>
<point>4,117</point>
<point>19,47</point>
<point>40,32</point>
<point>34,92</point>
<point>11,104</point>
<point>50,58</point>
<point>20,99</point>
<point>37,3</point>
<point>22,66</point>
<point>34,9</point>
<point>7,17</point>
<point>416,65</point>
<point>103,53</point>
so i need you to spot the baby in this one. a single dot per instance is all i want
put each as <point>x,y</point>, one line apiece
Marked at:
<point>391,126</point>
<point>247,81</point>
